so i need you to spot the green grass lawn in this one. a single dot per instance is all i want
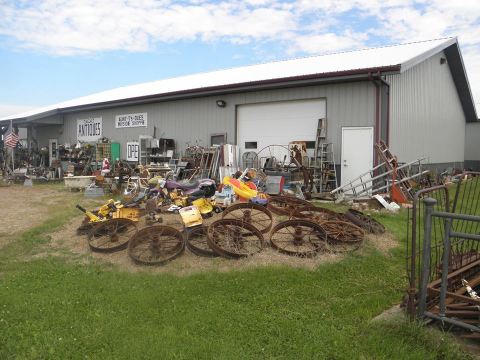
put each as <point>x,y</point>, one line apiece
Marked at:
<point>55,308</point>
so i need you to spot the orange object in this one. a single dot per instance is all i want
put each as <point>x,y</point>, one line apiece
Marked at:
<point>396,193</point>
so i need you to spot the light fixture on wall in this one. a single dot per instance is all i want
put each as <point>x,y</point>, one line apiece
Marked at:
<point>442,60</point>
<point>221,103</point>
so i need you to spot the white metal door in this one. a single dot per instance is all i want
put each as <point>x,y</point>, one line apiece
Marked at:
<point>278,123</point>
<point>52,150</point>
<point>357,152</point>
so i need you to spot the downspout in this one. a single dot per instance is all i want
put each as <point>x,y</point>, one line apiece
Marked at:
<point>377,80</point>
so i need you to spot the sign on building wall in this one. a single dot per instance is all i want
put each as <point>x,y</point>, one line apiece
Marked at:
<point>131,120</point>
<point>132,151</point>
<point>89,129</point>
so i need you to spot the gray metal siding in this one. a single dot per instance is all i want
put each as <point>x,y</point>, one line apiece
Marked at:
<point>192,121</point>
<point>426,117</point>
<point>472,141</point>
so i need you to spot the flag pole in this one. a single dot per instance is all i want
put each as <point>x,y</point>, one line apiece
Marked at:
<point>13,149</point>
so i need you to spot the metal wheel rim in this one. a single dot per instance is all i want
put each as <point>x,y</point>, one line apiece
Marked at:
<point>286,205</point>
<point>111,235</point>
<point>156,245</point>
<point>317,214</point>
<point>234,239</point>
<point>365,221</point>
<point>285,237</point>
<point>256,215</point>
<point>343,232</point>
<point>196,242</point>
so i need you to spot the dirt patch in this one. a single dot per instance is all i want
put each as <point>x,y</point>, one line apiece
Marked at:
<point>23,208</point>
<point>382,242</point>
<point>188,263</point>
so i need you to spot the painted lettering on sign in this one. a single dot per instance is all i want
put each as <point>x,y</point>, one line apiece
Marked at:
<point>89,129</point>
<point>131,120</point>
<point>132,151</point>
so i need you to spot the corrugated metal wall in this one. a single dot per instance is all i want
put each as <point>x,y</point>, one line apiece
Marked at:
<point>426,117</point>
<point>472,141</point>
<point>192,121</point>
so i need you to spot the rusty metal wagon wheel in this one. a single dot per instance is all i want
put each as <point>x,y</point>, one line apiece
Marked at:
<point>317,214</point>
<point>364,221</point>
<point>343,232</point>
<point>196,241</point>
<point>234,238</point>
<point>111,235</point>
<point>286,205</point>
<point>298,237</point>
<point>155,245</point>
<point>253,214</point>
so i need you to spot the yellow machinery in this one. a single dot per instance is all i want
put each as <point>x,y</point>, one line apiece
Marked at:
<point>111,210</point>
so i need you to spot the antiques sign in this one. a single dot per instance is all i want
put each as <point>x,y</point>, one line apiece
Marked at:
<point>89,129</point>
<point>131,120</point>
<point>132,151</point>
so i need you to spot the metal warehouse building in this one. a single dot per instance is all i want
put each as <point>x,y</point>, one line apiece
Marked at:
<point>416,97</point>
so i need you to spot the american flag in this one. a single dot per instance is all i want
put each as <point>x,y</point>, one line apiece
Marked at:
<point>11,139</point>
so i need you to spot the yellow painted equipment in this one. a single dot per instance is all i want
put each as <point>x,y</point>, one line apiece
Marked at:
<point>191,216</point>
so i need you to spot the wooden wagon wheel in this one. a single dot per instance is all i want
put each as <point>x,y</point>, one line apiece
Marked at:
<point>253,214</point>
<point>234,238</point>
<point>298,237</point>
<point>155,245</point>
<point>111,235</point>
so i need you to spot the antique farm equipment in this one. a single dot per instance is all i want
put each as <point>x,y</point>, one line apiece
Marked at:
<point>256,215</point>
<point>196,242</point>
<point>286,205</point>
<point>111,235</point>
<point>298,237</point>
<point>366,222</point>
<point>233,238</point>
<point>155,245</point>
<point>317,214</point>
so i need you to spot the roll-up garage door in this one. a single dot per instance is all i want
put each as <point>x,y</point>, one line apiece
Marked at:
<point>278,123</point>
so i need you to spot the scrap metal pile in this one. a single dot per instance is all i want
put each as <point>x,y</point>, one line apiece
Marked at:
<point>443,255</point>
<point>287,224</point>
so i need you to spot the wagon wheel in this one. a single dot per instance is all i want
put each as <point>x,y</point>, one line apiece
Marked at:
<point>196,241</point>
<point>364,221</point>
<point>343,232</point>
<point>111,235</point>
<point>253,214</point>
<point>286,205</point>
<point>234,238</point>
<point>155,245</point>
<point>317,214</point>
<point>298,237</point>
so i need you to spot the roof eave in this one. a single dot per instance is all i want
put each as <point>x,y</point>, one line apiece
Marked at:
<point>293,81</point>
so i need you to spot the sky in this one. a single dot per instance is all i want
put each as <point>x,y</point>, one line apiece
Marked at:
<point>56,50</point>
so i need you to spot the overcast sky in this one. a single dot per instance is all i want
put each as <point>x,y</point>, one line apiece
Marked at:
<point>55,50</point>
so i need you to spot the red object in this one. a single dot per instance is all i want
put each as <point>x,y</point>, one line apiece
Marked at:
<point>105,164</point>
<point>396,194</point>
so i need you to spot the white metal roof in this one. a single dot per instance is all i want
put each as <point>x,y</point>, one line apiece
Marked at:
<point>403,55</point>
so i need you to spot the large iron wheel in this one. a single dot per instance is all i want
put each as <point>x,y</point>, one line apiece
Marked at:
<point>253,214</point>
<point>286,205</point>
<point>343,232</point>
<point>111,235</point>
<point>197,241</point>
<point>365,221</point>
<point>155,245</point>
<point>234,238</point>
<point>298,237</point>
<point>317,214</point>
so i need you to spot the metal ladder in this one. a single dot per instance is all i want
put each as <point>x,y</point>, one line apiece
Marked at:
<point>324,171</point>
<point>368,182</point>
<point>391,163</point>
